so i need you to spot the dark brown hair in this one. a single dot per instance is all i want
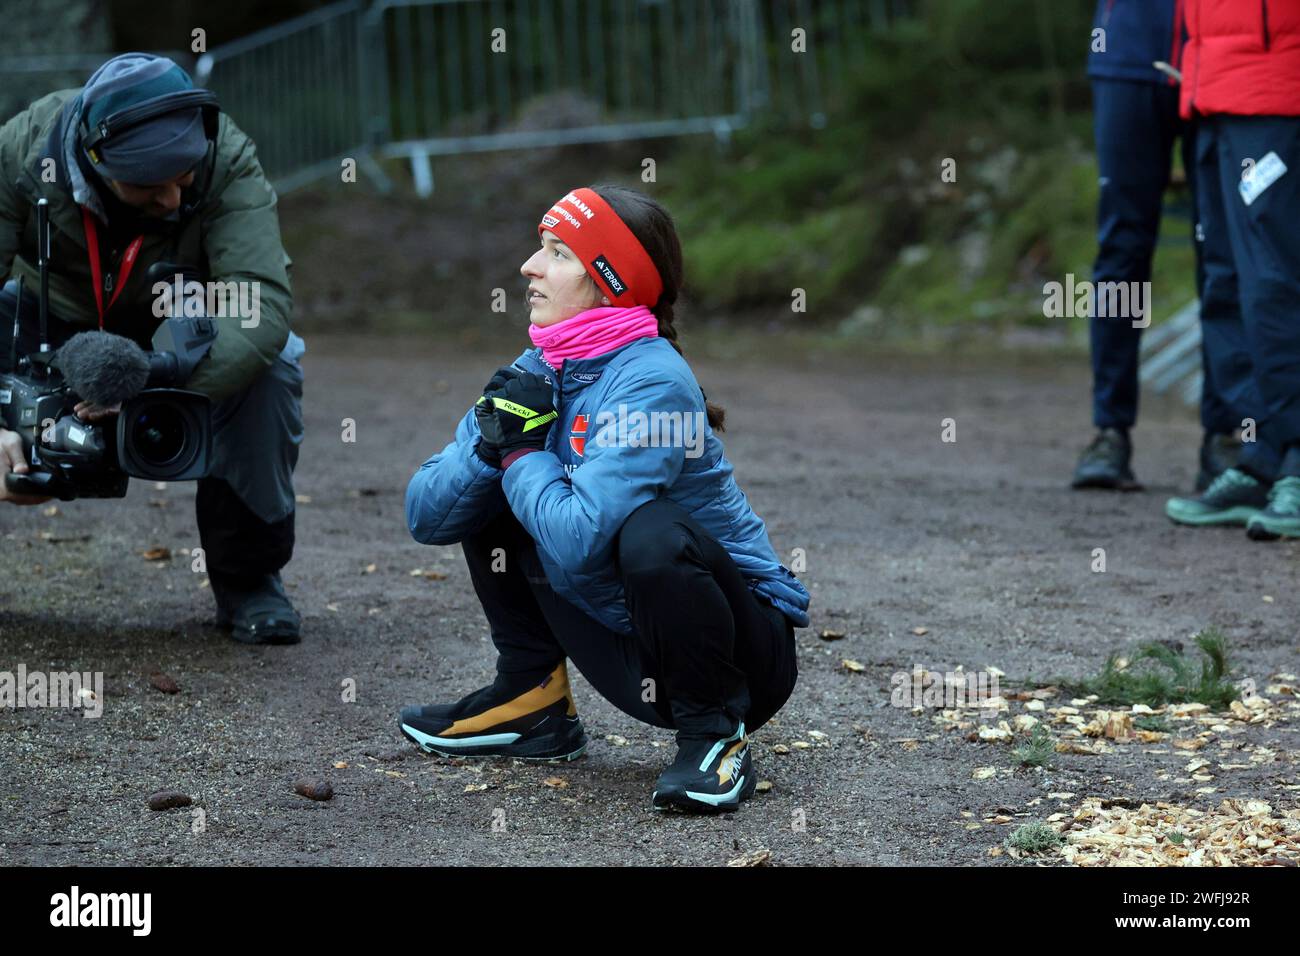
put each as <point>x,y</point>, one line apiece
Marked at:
<point>654,229</point>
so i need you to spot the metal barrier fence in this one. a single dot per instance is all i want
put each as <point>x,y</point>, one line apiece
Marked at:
<point>296,89</point>
<point>1171,354</point>
<point>417,78</point>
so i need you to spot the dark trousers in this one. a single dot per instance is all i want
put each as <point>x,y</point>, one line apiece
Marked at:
<point>1251,307</point>
<point>706,651</point>
<point>1136,125</point>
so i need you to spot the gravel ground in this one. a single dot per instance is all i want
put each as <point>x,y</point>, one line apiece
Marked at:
<point>977,541</point>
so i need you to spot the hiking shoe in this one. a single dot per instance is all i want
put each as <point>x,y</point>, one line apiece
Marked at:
<point>256,614</point>
<point>1105,463</point>
<point>533,722</point>
<point>1218,454</point>
<point>1232,498</point>
<point>1281,519</point>
<point>708,775</point>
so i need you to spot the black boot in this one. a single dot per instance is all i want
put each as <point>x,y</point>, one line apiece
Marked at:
<point>256,612</point>
<point>1105,463</point>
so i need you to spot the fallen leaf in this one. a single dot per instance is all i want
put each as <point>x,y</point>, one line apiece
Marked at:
<point>983,773</point>
<point>757,858</point>
<point>164,682</point>
<point>1118,726</point>
<point>167,799</point>
<point>558,782</point>
<point>829,635</point>
<point>920,631</point>
<point>851,665</point>
<point>156,554</point>
<point>368,569</point>
<point>319,790</point>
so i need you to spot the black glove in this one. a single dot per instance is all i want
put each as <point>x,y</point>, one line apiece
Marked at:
<point>496,383</point>
<point>517,415</point>
<point>499,378</point>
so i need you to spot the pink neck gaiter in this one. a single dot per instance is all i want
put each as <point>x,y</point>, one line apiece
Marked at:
<point>593,332</point>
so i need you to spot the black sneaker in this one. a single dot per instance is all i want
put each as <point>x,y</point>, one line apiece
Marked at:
<point>534,723</point>
<point>1218,454</point>
<point>1105,463</point>
<point>260,614</point>
<point>708,775</point>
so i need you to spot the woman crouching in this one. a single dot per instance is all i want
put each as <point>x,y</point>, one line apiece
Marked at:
<point>602,525</point>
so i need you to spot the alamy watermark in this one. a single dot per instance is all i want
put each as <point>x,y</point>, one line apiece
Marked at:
<point>1112,300</point>
<point>934,689</point>
<point>65,690</point>
<point>217,300</point>
<point>638,429</point>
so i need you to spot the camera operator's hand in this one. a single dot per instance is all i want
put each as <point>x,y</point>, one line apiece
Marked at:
<point>90,412</point>
<point>521,415</point>
<point>12,459</point>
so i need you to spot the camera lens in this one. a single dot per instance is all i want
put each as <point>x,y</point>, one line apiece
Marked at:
<point>158,435</point>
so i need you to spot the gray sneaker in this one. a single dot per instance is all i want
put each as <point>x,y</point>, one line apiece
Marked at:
<point>1232,499</point>
<point>1281,519</point>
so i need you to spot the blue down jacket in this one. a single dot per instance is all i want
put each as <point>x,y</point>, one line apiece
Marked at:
<point>596,470</point>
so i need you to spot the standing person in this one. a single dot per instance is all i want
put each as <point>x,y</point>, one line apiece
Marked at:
<point>1241,80</point>
<point>1136,123</point>
<point>138,168</point>
<point>594,536</point>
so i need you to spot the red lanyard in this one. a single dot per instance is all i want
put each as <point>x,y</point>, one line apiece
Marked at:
<point>106,282</point>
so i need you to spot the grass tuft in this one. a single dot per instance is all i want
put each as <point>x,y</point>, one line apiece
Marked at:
<point>1160,674</point>
<point>1034,838</point>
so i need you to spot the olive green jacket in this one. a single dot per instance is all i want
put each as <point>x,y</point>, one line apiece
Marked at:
<point>228,231</point>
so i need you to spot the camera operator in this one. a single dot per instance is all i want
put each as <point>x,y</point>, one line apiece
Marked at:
<point>140,167</point>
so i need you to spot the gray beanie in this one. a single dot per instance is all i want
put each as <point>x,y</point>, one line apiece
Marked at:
<point>160,148</point>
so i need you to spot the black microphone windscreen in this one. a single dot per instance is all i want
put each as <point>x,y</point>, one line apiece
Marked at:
<point>102,367</point>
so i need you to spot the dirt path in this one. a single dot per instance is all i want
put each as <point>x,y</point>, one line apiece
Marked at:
<point>977,541</point>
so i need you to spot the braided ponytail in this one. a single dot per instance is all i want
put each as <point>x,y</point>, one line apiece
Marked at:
<point>654,229</point>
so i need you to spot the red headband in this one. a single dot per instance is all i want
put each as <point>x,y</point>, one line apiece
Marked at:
<point>606,247</point>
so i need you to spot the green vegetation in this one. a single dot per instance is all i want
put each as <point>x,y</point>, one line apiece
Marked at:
<point>1034,838</point>
<point>1153,722</point>
<point>1159,674</point>
<point>859,210</point>
<point>1037,751</point>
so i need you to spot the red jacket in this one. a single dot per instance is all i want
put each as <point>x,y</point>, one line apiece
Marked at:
<point>1241,57</point>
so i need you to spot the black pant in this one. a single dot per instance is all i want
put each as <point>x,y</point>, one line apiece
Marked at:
<point>1136,125</point>
<point>238,546</point>
<point>706,651</point>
